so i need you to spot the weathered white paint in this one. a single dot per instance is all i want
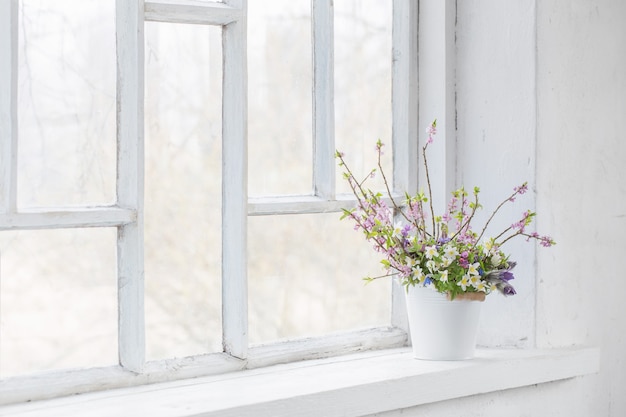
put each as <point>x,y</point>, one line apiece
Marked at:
<point>51,218</point>
<point>69,382</point>
<point>543,83</point>
<point>8,105</point>
<point>234,186</point>
<point>328,346</point>
<point>323,99</point>
<point>357,385</point>
<point>496,114</point>
<point>404,124</point>
<point>130,181</point>
<point>79,381</point>
<point>404,97</point>
<point>581,187</point>
<point>581,92</point>
<point>191,11</point>
<point>262,206</point>
<point>437,95</point>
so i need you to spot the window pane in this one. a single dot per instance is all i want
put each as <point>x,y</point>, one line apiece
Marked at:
<point>363,86</point>
<point>183,190</point>
<point>66,102</point>
<point>280,82</point>
<point>305,278</point>
<point>58,300</point>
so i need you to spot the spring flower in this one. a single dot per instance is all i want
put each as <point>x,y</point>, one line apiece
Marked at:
<point>506,276</point>
<point>506,289</point>
<point>474,280</point>
<point>432,131</point>
<point>464,282</point>
<point>448,251</point>
<point>432,266</point>
<point>397,228</point>
<point>430,251</point>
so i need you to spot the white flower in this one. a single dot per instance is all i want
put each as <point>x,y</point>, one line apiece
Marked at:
<point>444,276</point>
<point>445,262</point>
<point>397,228</point>
<point>481,286</point>
<point>432,266</point>
<point>496,259</point>
<point>450,252</point>
<point>473,268</point>
<point>475,280</point>
<point>464,282</point>
<point>419,274</point>
<point>430,251</point>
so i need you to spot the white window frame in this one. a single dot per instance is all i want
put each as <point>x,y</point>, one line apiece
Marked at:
<point>127,214</point>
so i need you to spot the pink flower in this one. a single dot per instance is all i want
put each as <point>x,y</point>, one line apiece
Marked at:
<point>432,131</point>
<point>521,189</point>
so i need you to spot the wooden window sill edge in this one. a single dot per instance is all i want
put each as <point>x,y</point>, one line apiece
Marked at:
<point>352,385</point>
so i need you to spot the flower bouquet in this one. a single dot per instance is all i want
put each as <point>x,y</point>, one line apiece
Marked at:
<point>441,251</point>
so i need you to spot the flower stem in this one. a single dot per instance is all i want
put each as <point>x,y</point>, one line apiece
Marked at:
<point>517,191</point>
<point>430,192</point>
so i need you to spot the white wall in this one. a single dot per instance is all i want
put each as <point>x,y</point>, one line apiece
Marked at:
<point>543,85</point>
<point>581,182</point>
<point>496,119</point>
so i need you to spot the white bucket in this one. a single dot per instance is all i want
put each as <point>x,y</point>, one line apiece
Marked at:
<point>441,329</point>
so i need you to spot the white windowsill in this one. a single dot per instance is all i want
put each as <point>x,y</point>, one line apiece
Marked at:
<point>351,385</point>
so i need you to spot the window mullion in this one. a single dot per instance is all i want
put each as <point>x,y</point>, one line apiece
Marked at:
<point>323,99</point>
<point>234,187</point>
<point>8,106</point>
<point>130,181</point>
<point>404,118</point>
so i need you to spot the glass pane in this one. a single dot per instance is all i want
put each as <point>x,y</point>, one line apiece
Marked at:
<point>307,282</point>
<point>58,300</point>
<point>66,102</point>
<point>363,86</point>
<point>183,190</point>
<point>280,82</point>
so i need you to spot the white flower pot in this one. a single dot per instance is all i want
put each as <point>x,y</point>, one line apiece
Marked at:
<point>442,329</point>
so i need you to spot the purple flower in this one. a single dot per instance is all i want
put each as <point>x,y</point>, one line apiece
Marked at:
<point>508,290</point>
<point>506,276</point>
<point>505,288</point>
